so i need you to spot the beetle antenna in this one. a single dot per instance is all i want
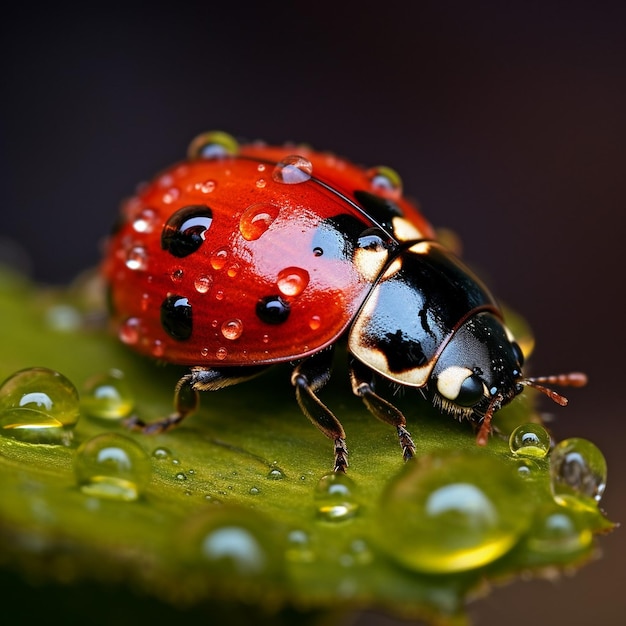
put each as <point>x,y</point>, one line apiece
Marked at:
<point>573,379</point>
<point>485,427</point>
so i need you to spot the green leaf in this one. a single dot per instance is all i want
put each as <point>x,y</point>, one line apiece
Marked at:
<point>236,511</point>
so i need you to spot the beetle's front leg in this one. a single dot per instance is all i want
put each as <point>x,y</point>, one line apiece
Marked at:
<point>308,378</point>
<point>361,378</point>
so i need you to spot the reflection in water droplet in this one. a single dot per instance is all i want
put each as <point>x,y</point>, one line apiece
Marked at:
<point>559,532</point>
<point>161,453</point>
<point>208,186</point>
<point>299,548</point>
<point>232,270</point>
<point>145,221</point>
<point>234,542</point>
<point>137,258</point>
<point>219,258</point>
<point>292,281</point>
<point>335,498</point>
<point>458,512</point>
<point>578,472</point>
<point>531,440</point>
<point>260,183</point>
<point>107,396</point>
<point>232,329</point>
<point>202,284</point>
<point>177,275</point>
<point>112,466</point>
<point>221,353</point>
<point>292,170</point>
<point>315,322</point>
<point>275,474</point>
<point>129,331</point>
<point>256,219</point>
<point>158,349</point>
<point>171,195</point>
<point>38,405</point>
<point>386,181</point>
<point>213,145</point>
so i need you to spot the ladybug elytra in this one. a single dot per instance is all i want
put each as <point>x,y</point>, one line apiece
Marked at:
<point>241,257</point>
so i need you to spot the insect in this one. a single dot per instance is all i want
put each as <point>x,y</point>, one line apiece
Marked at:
<point>244,256</point>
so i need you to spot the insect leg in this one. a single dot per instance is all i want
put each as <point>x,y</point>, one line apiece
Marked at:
<point>362,381</point>
<point>186,397</point>
<point>308,378</point>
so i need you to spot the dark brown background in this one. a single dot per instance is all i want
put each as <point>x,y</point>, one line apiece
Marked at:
<point>506,121</point>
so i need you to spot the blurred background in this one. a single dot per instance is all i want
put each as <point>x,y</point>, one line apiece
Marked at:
<point>506,122</point>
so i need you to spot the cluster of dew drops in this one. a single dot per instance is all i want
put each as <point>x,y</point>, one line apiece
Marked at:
<point>39,406</point>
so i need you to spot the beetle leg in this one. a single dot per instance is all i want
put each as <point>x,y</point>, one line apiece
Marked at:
<point>308,378</point>
<point>362,381</point>
<point>186,397</point>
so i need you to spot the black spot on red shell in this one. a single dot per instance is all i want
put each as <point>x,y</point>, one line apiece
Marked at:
<point>176,317</point>
<point>272,310</point>
<point>186,229</point>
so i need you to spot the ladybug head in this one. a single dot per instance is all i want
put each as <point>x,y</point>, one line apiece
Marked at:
<point>480,370</point>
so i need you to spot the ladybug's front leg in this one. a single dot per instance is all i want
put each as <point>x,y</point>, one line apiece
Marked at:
<point>186,398</point>
<point>308,378</point>
<point>363,387</point>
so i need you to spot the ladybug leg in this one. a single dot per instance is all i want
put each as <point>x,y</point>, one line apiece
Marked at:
<point>362,381</point>
<point>308,378</point>
<point>186,397</point>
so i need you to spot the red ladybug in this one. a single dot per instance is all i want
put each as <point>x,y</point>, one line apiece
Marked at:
<point>245,256</point>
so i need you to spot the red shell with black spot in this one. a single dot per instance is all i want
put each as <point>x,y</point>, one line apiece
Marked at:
<point>247,255</point>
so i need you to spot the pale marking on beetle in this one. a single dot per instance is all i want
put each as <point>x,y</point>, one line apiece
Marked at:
<point>451,379</point>
<point>394,267</point>
<point>369,263</point>
<point>404,230</point>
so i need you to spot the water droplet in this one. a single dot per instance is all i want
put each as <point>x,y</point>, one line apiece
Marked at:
<point>261,167</point>
<point>317,251</point>
<point>107,396</point>
<point>176,317</point>
<point>385,180</point>
<point>202,284</point>
<point>292,281</point>
<point>181,476</point>
<point>260,183</point>
<point>531,440</point>
<point>38,405</point>
<point>254,491</point>
<point>234,542</point>
<point>213,145</point>
<point>578,472</point>
<point>161,453</point>
<point>219,258</point>
<point>299,547</point>
<point>145,302</point>
<point>204,353</point>
<point>458,512</point>
<point>112,466</point>
<point>208,186</point>
<point>315,322</point>
<point>292,170</point>
<point>221,354</point>
<point>232,270</point>
<point>559,532</point>
<point>256,219</point>
<point>171,195</point>
<point>335,498</point>
<point>275,474</point>
<point>137,258</point>
<point>185,231</point>
<point>232,329</point>
<point>145,221</point>
<point>158,349</point>
<point>129,331</point>
<point>63,318</point>
<point>219,294</point>
<point>177,275</point>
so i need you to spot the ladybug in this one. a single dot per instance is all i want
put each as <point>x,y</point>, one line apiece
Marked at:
<point>244,256</point>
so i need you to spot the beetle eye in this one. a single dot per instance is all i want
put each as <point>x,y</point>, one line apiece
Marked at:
<point>470,392</point>
<point>517,351</point>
